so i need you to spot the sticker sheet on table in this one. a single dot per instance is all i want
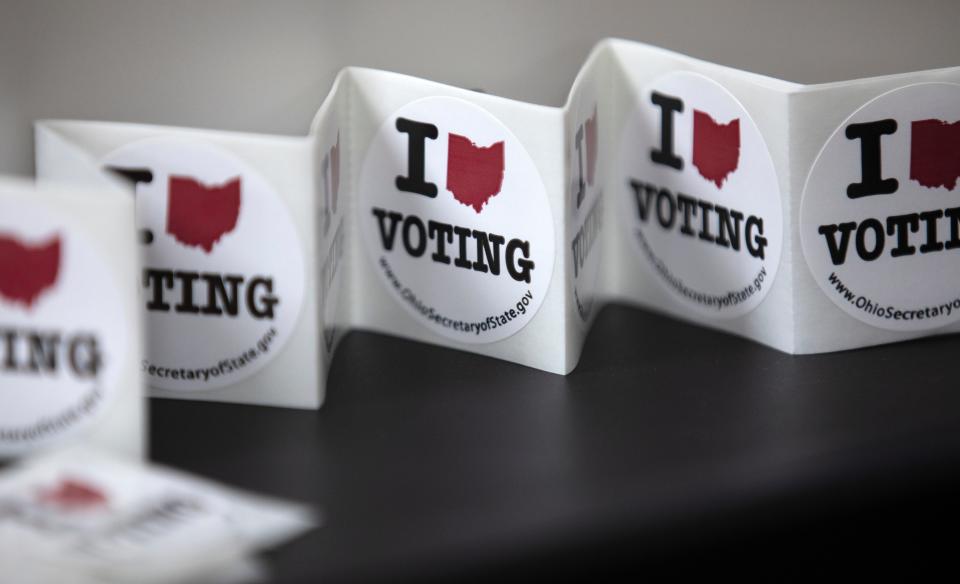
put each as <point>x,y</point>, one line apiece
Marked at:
<point>70,321</point>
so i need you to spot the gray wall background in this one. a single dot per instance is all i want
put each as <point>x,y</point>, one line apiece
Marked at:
<point>266,66</point>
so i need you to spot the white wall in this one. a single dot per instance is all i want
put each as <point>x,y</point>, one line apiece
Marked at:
<point>265,66</point>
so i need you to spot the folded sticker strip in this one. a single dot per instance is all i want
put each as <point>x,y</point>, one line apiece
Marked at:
<point>70,335</point>
<point>808,218</point>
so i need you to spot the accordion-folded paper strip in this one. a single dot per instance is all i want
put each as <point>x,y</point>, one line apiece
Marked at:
<point>70,334</point>
<point>808,218</point>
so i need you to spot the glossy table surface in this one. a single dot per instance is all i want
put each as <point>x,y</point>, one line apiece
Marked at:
<point>668,441</point>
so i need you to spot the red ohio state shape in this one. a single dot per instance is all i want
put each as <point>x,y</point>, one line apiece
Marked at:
<point>27,271</point>
<point>474,174</point>
<point>935,153</point>
<point>197,215</point>
<point>716,147</point>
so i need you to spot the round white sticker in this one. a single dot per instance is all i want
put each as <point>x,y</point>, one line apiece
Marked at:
<point>223,278</point>
<point>585,198</point>
<point>63,338</point>
<point>700,195</point>
<point>456,220</point>
<point>880,217</point>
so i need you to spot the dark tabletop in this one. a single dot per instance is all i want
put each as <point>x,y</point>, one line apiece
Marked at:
<point>667,443</point>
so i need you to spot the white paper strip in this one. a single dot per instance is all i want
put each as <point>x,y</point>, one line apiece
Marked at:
<point>497,227</point>
<point>70,334</point>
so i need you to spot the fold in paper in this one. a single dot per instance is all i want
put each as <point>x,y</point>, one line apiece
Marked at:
<point>466,220</point>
